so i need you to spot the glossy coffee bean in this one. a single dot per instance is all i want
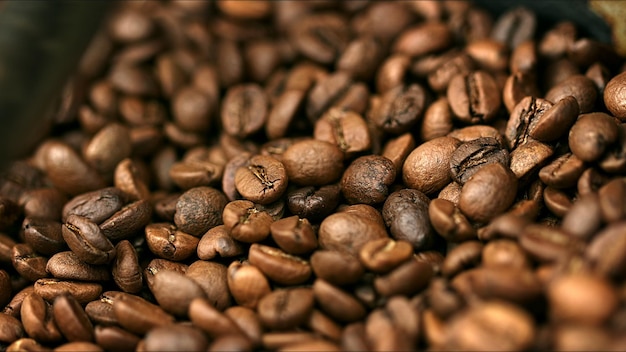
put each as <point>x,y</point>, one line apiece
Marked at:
<point>71,319</point>
<point>279,266</point>
<point>67,266</point>
<point>247,284</point>
<point>427,168</point>
<point>244,110</point>
<point>217,242</point>
<point>246,222</point>
<point>469,157</point>
<point>87,241</point>
<point>406,214</point>
<point>312,202</point>
<point>263,180</point>
<point>474,98</point>
<point>312,162</point>
<point>213,279</point>
<point>592,135</point>
<point>488,193</point>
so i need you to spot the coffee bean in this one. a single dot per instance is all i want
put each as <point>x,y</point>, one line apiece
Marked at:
<point>263,180</point>
<point>491,325</point>
<point>562,172</point>
<point>449,222</point>
<point>38,319</point>
<point>406,214</point>
<point>426,169</point>
<point>446,67</point>
<point>344,128</point>
<point>213,279</point>
<point>346,231</point>
<point>465,255</point>
<point>246,222</point>
<point>244,110</point>
<point>11,330</point>
<point>474,97</point>
<point>156,265</point>
<point>138,315</point>
<point>83,292</point>
<point>592,135</point>
<point>96,206</point>
<point>326,92</point>
<point>488,193</point>
<point>128,179</point>
<point>367,180</point>
<point>338,268</point>
<point>126,271</point>
<point>275,340</point>
<point>283,112</point>
<point>174,291</point>
<point>312,162</point>
<point>400,108</point>
<point>514,27</point>
<point>247,321</point>
<point>211,320</point>
<point>407,279</point>
<point>584,217</point>
<point>167,242</point>
<point>504,253</point>
<point>247,284</point>
<point>218,242</point>
<point>294,235</point>
<point>285,308</point>
<point>361,57</point>
<point>115,338</point>
<point>321,38</point>
<point>279,266</point>
<point>520,286</point>
<point>337,303</point>
<point>612,96</point>
<point>87,241</point>
<point>313,202</point>
<point>548,244</point>
<point>108,147</point>
<point>423,39</point>
<point>67,266</point>
<point>518,86</point>
<point>528,158</point>
<point>71,319</point>
<point>175,337</point>
<point>383,255</point>
<point>578,86</point>
<point>469,157</point>
<point>230,343</point>
<point>28,263</point>
<point>605,252</point>
<point>128,221</point>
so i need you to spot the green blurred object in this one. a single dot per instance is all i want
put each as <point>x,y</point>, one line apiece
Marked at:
<point>40,45</point>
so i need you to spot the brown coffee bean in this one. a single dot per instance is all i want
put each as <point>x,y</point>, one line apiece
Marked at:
<point>283,113</point>
<point>336,267</point>
<point>247,284</point>
<point>279,266</point>
<point>175,337</point>
<point>346,129</point>
<point>361,57</point>
<point>605,252</point>
<point>581,298</point>
<point>426,169</point>
<point>115,338</point>
<point>592,135</point>
<point>423,39</point>
<point>28,263</point>
<point>580,87</point>
<point>87,241</point>
<point>392,72</point>
<point>346,231</point>
<point>614,160</point>
<point>557,201</point>
<point>465,255</point>
<point>42,203</point>
<point>217,242</point>
<point>211,320</point>
<point>407,279</point>
<point>383,255</point>
<point>491,325</point>
<point>562,172</point>
<point>128,221</point>
<point>613,94</point>
<point>474,97</point>
<point>337,303</point>
<point>127,178</point>
<point>6,246</point>
<point>5,284</point>
<point>520,286</point>
<point>247,321</point>
<point>139,316</point>
<point>192,109</point>
<point>11,329</point>
<point>326,92</point>
<point>230,343</point>
<point>213,279</point>
<point>504,253</point>
<point>262,181</point>
<point>246,222</point>
<point>591,180</point>
<point>67,266</point>
<point>367,180</point>
<point>489,54</point>
<point>199,209</point>
<point>518,86</point>
<point>83,291</point>
<point>96,206</point>
<point>14,305</point>
<point>314,203</point>
<point>528,158</point>
<point>108,147</point>
<point>285,308</point>
<point>557,40</point>
<point>191,174</point>
<point>488,193</point>
<point>156,265</point>
<point>556,121</point>
<point>470,133</point>
<point>584,217</point>
<point>525,116</point>
<point>294,235</point>
<point>126,271</point>
<point>469,157</point>
<point>548,244</point>
<point>406,214</point>
<point>400,108</point>
<point>174,291</point>
<point>514,27</point>
<point>320,37</point>
<point>449,222</point>
<point>167,242</point>
<point>311,162</point>
<point>446,67</point>
<point>276,340</point>
<point>38,320</point>
<point>244,110</point>
<point>71,319</point>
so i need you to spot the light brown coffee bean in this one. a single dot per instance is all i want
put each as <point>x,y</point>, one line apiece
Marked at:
<point>84,292</point>
<point>218,242</point>
<point>336,267</point>
<point>427,167</point>
<point>279,266</point>
<point>247,284</point>
<point>312,162</point>
<point>338,303</point>
<point>213,279</point>
<point>263,180</point>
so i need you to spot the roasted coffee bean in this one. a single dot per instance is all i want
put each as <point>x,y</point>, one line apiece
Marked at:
<point>174,291</point>
<point>525,117</point>
<point>279,266</point>
<point>367,180</point>
<point>518,86</point>
<point>67,266</point>
<point>38,319</point>
<point>13,308</point>
<point>528,158</point>
<point>246,222</point>
<point>5,284</point>
<point>383,255</point>
<point>28,263</point>
<point>248,321</point>
<point>127,178</point>
<point>213,279</point>
<point>311,162</point>
<point>275,340</point>
<point>321,38</point>
<point>11,329</point>
<point>283,112</point>
<point>449,222</point>
<point>400,109</point>
<point>392,72</point>
<point>42,203</point>
<point>474,97</point>
<point>504,253</point>
<point>491,325</point>
<point>211,320</point>
<point>87,241</point>
<point>96,206</point>
<point>174,338</point>
<point>247,284</point>
<point>406,214</point>
<point>562,172</point>
<point>548,244</point>
<point>605,252</point>
<point>613,94</point>
<point>156,265</point>
<point>217,242</point>
<point>520,286</point>
<point>580,87</point>
<point>514,27</point>
<point>262,181</point>
<point>108,147</point>
<point>349,231</point>
<point>488,193</point>
<point>584,217</point>
<point>128,221</point>
<point>285,308</point>
<point>126,271</point>
<point>244,110</point>
<point>581,298</point>
<point>199,209</point>
<point>361,57</point>
<point>314,202</point>
<point>83,291</point>
<point>591,180</point>
<point>337,303</point>
<point>423,39</point>
<point>346,129</point>
<point>469,157</point>
<point>138,315</point>
<point>407,279</point>
<point>465,255</point>
<point>115,338</point>
<point>71,319</point>
<point>592,135</point>
<point>325,93</point>
<point>167,242</point>
<point>427,168</point>
<point>336,267</point>
<point>294,235</point>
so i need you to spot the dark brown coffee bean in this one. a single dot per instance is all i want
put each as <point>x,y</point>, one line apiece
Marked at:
<point>470,133</point>
<point>247,284</point>
<point>192,109</point>
<point>591,180</point>
<point>320,37</point>
<point>127,178</point>
<point>469,157</point>
<point>336,267</point>
<point>427,168</point>
<point>213,279</point>
<point>312,162</point>
<point>557,40</point>
<point>262,181</point>
<point>614,160</point>
<point>87,241</point>
<point>449,222</point>
<point>244,110</point>
<point>14,305</point>
<point>611,200</point>
<point>525,116</point>
<point>38,320</point>
<point>42,203</point>
<point>367,180</point>
<point>407,279</point>
<point>156,265</point>
<point>138,315</point>
<point>488,193</point>
<point>218,242</point>
<point>489,54</point>
<point>96,206</point>
<point>165,205</point>
<point>584,217</point>
<point>5,284</point>
<point>400,108</point>
<point>199,209</point>
<point>67,266</point>
<point>406,214</point>
<point>230,343</point>
<point>474,97</point>
<point>246,222</point>
<point>314,202</point>
<point>191,174</point>
<point>549,244</point>
<point>7,243</point>
<point>446,67</point>
<point>132,79</point>
<point>286,308</point>
<point>346,231</point>
<point>66,169</point>
<point>514,27</point>
<point>557,201</point>
<point>108,147</point>
<point>361,57</point>
<point>126,270</point>
<point>491,325</point>
<point>167,242</point>
<point>613,94</point>
<point>71,319</point>
<point>592,135</point>
<point>11,329</point>
<point>279,266</point>
<point>28,263</point>
<point>294,235</point>
<point>581,298</point>
<point>128,221</point>
<point>425,38</point>
<point>563,172</point>
<point>518,86</point>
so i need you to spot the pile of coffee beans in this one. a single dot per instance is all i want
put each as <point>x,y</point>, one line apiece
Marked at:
<point>323,175</point>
